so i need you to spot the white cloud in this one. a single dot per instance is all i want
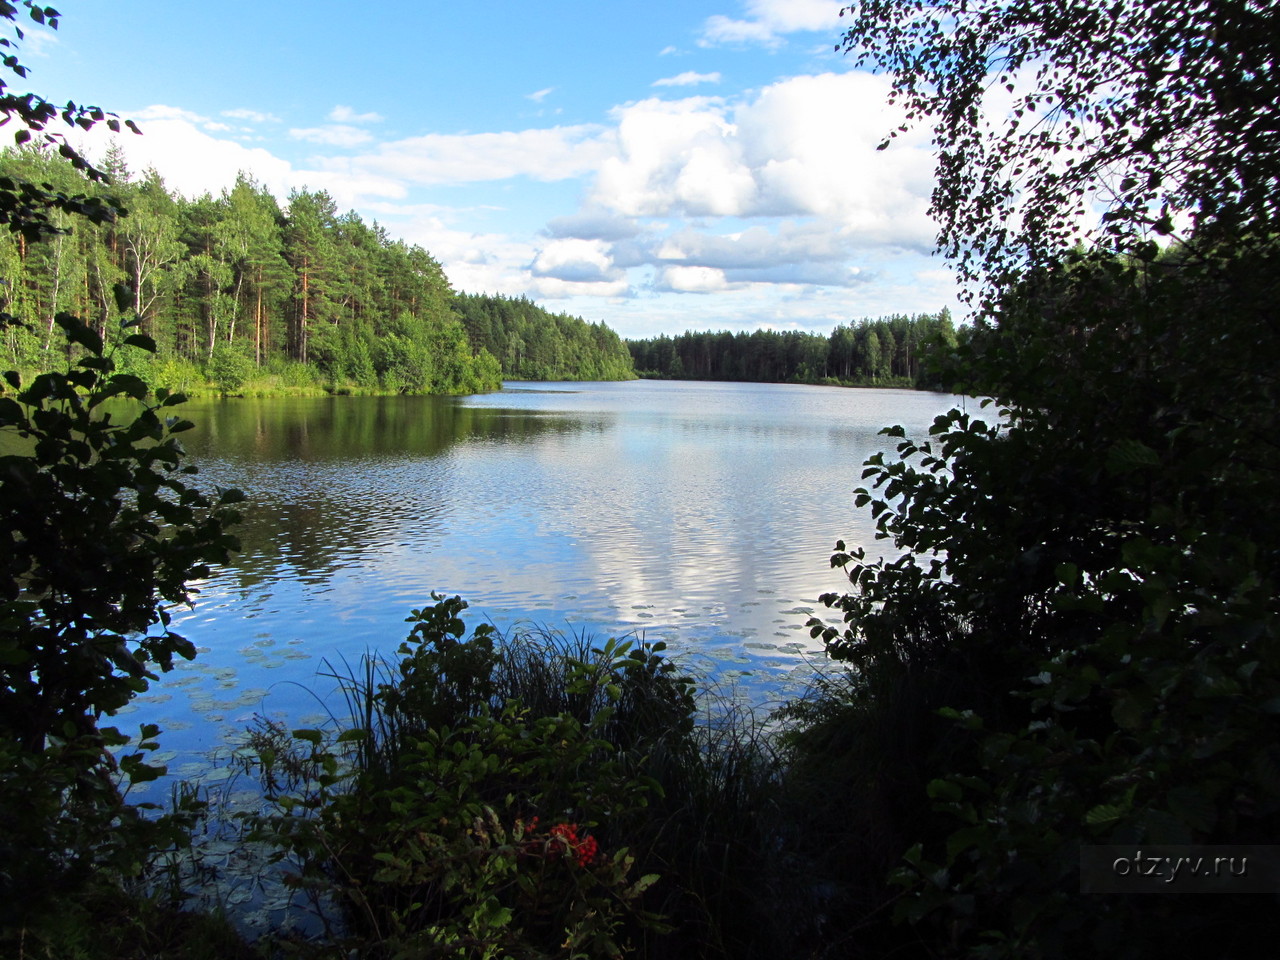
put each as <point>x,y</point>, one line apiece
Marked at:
<point>687,79</point>
<point>803,147</point>
<point>341,114</point>
<point>334,135</point>
<point>158,112</point>
<point>255,116</point>
<point>576,261</point>
<point>767,21</point>
<point>36,43</point>
<point>351,189</point>
<point>667,51</point>
<point>556,153</point>
<point>673,157</point>
<point>720,29</point>
<point>592,225</point>
<point>539,95</point>
<point>691,280</point>
<point>757,247</point>
<point>553,288</point>
<point>191,161</point>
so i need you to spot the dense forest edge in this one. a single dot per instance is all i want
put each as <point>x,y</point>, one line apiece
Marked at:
<point>896,351</point>
<point>1071,645</point>
<point>243,297</point>
<point>535,344</point>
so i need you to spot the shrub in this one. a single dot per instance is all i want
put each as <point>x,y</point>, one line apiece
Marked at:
<point>458,821</point>
<point>230,367</point>
<point>102,535</point>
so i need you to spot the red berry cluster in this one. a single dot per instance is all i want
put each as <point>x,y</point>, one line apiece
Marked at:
<point>582,849</point>
<point>562,840</point>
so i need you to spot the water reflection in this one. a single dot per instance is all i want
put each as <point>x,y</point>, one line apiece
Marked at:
<point>700,514</point>
<point>338,480</point>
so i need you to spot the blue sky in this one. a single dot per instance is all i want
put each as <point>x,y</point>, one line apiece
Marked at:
<point>661,166</point>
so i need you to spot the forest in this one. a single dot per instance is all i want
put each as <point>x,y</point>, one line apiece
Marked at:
<point>250,297</point>
<point>891,351</point>
<point>533,344</point>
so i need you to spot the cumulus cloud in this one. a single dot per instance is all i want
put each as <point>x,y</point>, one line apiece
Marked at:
<point>793,171</point>
<point>690,280</point>
<point>687,79</point>
<point>674,157</point>
<point>576,261</point>
<point>803,147</point>
<point>767,21</point>
<point>502,264</point>
<point>539,95</point>
<point>341,114</point>
<point>694,261</point>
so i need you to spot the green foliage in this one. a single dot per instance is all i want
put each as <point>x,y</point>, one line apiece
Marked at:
<point>102,535</point>
<point>892,351</point>
<point>1163,109</point>
<point>531,343</point>
<point>1088,587</point>
<point>230,367</point>
<point>1082,618</point>
<point>26,207</point>
<point>215,279</point>
<point>459,821</point>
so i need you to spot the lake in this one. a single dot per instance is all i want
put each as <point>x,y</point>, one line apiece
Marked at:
<point>701,514</point>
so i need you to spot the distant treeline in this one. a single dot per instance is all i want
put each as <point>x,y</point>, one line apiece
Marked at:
<point>890,351</point>
<point>245,295</point>
<point>533,344</point>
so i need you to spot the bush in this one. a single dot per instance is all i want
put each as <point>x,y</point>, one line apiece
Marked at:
<point>458,820</point>
<point>102,536</point>
<point>230,367</point>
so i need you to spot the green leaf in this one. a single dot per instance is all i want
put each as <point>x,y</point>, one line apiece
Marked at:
<point>78,332</point>
<point>10,412</point>
<point>124,296</point>
<point>1104,814</point>
<point>142,341</point>
<point>127,384</point>
<point>1125,456</point>
<point>139,772</point>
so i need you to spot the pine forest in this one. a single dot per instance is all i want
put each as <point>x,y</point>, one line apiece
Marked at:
<point>242,296</point>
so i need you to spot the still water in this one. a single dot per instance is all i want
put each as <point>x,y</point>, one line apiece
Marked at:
<point>701,514</point>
